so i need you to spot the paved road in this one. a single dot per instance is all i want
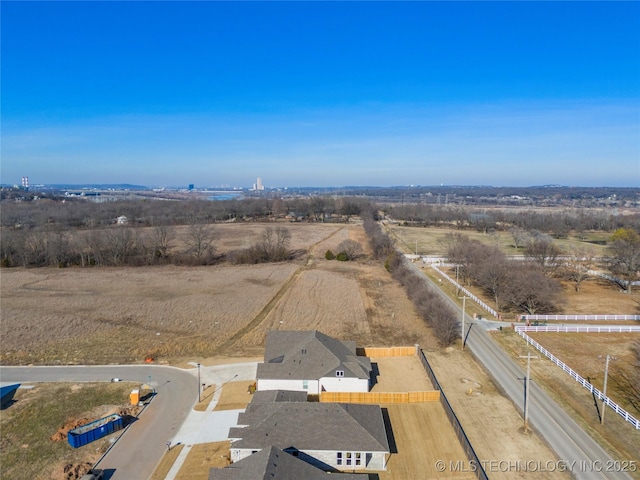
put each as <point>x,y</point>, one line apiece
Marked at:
<point>136,454</point>
<point>570,442</point>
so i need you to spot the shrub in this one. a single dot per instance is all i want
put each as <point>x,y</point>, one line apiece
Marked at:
<point>329,255</point>
<point>342,257</point>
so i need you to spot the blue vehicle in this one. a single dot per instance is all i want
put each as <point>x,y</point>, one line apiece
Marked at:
<point>6,394</point>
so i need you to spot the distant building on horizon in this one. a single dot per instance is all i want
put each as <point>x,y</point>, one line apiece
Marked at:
<point>258,185</point>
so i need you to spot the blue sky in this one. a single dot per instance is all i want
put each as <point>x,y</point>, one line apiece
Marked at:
<point>321,93</point>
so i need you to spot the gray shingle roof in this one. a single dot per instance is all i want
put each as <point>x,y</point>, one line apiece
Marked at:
<point>312,426</point>
<point>273,464</point>
<point>310,355</point>
<point>271,396</point>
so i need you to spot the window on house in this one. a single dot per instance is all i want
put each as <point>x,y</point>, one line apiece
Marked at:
<point>305,384</point>
<point>358,458</point>
<point>338,458</point>
<point>348,458</point>
<point>339,373</point>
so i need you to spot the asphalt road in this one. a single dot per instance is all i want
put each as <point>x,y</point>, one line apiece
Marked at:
<point>583,456</point>
<point>136,454</point>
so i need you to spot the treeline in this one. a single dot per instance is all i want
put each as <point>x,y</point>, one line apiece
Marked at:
<point>530,283</point>
<point>122,245</point>
<point>77,213</point>
<point>81,233</point>
<point>557,224</point>
<point>429,304</point>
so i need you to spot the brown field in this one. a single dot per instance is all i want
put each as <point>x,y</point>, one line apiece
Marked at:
<point>431,240</point>
<point>180,314</point>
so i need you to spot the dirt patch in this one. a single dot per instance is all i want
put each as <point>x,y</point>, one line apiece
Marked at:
<point>490,420</point>
<point>400,374</point>
<point>422,437</point>
<point>75,471</point>
<point>69,425</point>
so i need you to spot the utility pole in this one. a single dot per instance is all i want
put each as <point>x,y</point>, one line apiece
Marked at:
<point>464,304</point>
<point>416,247</point>
<point>526,391</point>
<point>604,388</point>
<point>198,383</point>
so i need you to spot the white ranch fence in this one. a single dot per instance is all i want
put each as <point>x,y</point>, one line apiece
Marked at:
<point>467,293</point>
<point>521,330</point>
<point>579,318</point>
<point>581,328</point>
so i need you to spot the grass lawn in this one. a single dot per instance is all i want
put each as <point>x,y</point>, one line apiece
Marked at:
<point>26,427</point>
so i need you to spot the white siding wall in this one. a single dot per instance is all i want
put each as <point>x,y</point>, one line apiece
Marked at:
<point>237,454</point>
<point>296,385</point>
<point>324,458</point>
<point>341,384</point>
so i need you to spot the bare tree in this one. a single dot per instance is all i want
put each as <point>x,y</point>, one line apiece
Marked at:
<point>520,237</point>
<point>624,256</point>
<point>351,248</point>
<point>274,244</point>
<point>544,252</point>
<point>33,249</point>
<point>59,249</point>
<point>493,275</point>
<point>162,240</point>
<point>200,242</point>
<point>121,245</point>
<point>579,263</point>
<point>529,289</point>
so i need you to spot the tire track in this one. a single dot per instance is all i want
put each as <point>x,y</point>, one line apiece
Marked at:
<point>264,313</point>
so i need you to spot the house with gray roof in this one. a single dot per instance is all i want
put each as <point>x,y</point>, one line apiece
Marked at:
<point>273,464</point>
<point>330,436</point>
<point>312,362</point>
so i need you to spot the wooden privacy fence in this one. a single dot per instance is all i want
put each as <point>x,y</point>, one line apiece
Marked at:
<point>387,352</point>
<point>380,397</point>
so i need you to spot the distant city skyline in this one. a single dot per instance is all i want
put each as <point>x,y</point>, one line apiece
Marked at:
<point>321,94</point>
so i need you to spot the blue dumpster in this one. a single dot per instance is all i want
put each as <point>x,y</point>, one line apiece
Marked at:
<point>93,431</point>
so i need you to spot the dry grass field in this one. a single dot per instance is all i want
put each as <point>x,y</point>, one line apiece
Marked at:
<point>179,314</point>
<point>431,241</point>
<point>111,315</point>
